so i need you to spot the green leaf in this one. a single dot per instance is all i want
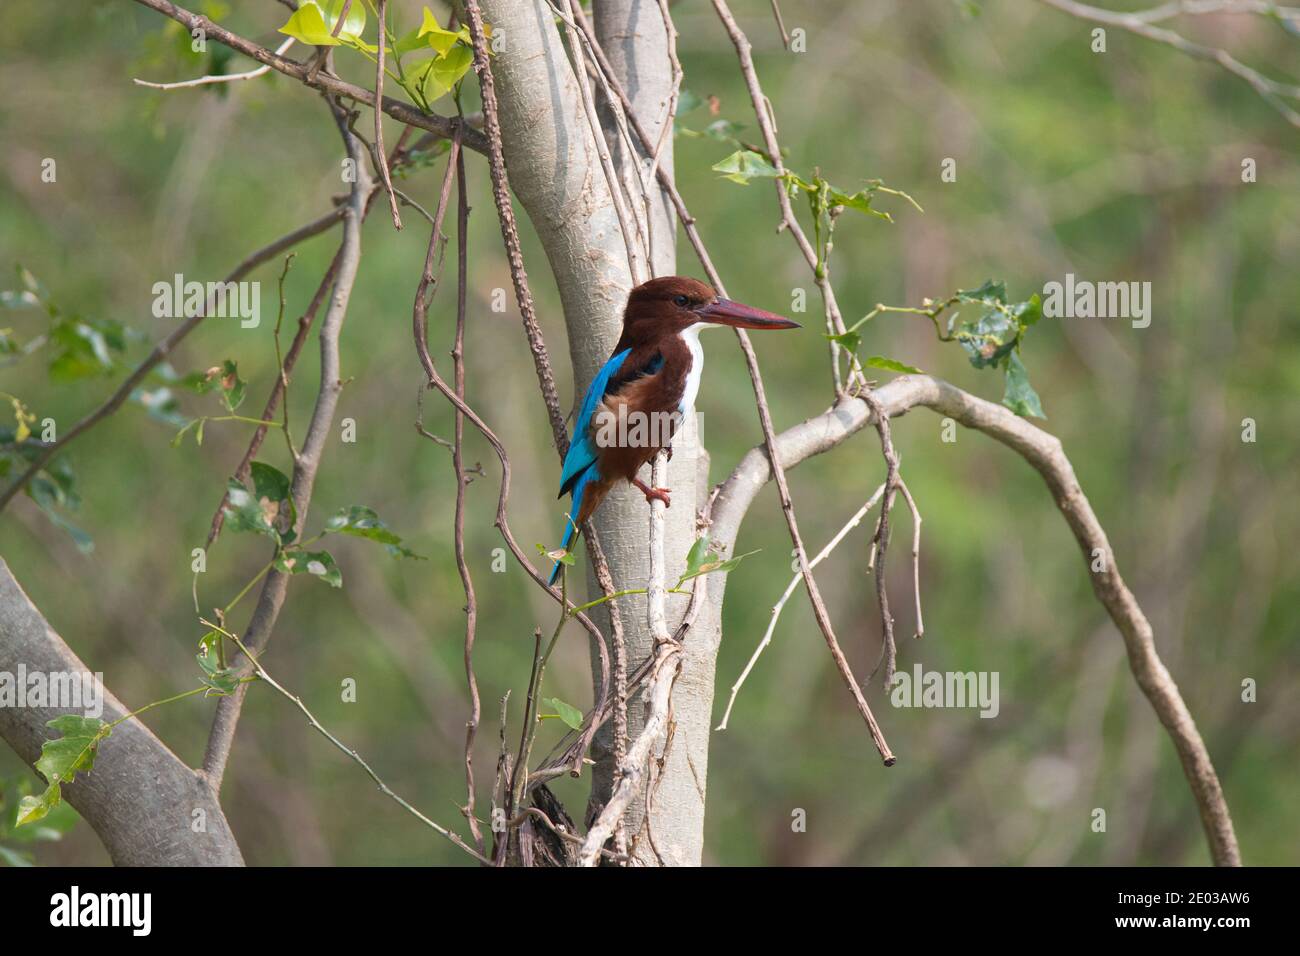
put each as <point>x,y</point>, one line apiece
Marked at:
<point>410,42</point>
<point>161,405</point>
<point>83,349</point>
<point>245,512</point>
<point>990,291</point>
<point>568,714</point>
<point>567,558</point>
<point>224,378</point>
<point>1028,313</point>
<point>716,564</point>
<point>223,680</point>
<point>62,757</point>
<point>438,38</point>
<point>272,488</point>
<point>744,165</point>
<point>989,338</point>
<point>436,77</point>
<point>860,200</point>
<point>850,339</point>
<point>33,292</point>
<point>698,554</point>
<point>232,386</point>
<point>723,130</point>
<point>893,365</point>
<point>307,25</point>
<point>319,564</point>
<point>1020,396</point>
<point>55,824</point>
<point>355,22</point>
<point>50,494</point>
<point>362,522</point>
<point>33,808</point>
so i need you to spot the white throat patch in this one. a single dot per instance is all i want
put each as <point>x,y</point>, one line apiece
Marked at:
<point>691,336</point>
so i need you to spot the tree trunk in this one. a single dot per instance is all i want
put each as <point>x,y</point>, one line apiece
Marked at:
<point>555,172</point>
<point>147,807</point>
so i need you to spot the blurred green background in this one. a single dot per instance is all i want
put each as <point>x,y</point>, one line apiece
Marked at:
<point>1117,166</point>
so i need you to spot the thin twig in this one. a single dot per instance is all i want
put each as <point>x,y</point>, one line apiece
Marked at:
<point>635,263</point>
<point>462,481</point>
<point>664,670</point>
<point>321,80</point>
<point>212,78</point>
<point>916,556</point>
<point>164,348</point>
<point>780,24</point>
<point>765,416</point>
<point>1271,90</point>
<point>305,468</point>
<point>380,159</point>
<point>785,596</point>
<point>509,230</point>
<point>319,727</point>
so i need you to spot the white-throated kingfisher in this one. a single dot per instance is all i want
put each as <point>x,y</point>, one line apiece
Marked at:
<point>645,390</point>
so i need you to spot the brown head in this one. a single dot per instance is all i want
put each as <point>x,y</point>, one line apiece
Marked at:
<point>671,304</point>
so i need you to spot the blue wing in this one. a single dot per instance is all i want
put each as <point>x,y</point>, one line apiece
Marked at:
<point>582,452</point>
<point>571,527</point>
<point>579,463</point>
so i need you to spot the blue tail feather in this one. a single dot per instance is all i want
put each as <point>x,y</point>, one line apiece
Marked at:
<point>571,526</point>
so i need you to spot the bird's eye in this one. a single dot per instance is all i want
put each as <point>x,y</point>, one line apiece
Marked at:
<point>681,300</point>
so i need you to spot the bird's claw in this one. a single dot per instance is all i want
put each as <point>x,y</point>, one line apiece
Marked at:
<point>655,494</point>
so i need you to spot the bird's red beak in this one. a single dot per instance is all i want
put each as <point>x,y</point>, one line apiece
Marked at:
<point>726,312</point>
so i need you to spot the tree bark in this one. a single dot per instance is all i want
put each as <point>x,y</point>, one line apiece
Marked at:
<point>147,807</point>
<point>556,174</point>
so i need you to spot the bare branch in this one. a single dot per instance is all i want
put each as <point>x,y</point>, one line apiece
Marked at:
<point>349,751</point>
<point>380,159</point>
<point>663,673</point>
<point>275,588</point>
<point>1271,90</point>
<point>765,416</point>
<point>1044,452</point>
<point>217,77</point>
<point>164,348</point>
<point>785,596</point>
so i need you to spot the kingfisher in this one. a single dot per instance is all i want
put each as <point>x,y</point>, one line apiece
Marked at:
<point>646,389</point>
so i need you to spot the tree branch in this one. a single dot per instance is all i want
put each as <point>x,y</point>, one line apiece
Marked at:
<point>315,79</point>
<point>276,586</point>
<point>1271,90</point>
<point>141,800</point>
<point>164,348</point>
<point>1044,452</point>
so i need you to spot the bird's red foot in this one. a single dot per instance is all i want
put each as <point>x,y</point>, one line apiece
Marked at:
<point>660,494</point>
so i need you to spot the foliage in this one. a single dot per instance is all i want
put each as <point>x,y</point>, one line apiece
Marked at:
<point>16,842</point>
<point>425,80</point>
<point>61,759</point>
